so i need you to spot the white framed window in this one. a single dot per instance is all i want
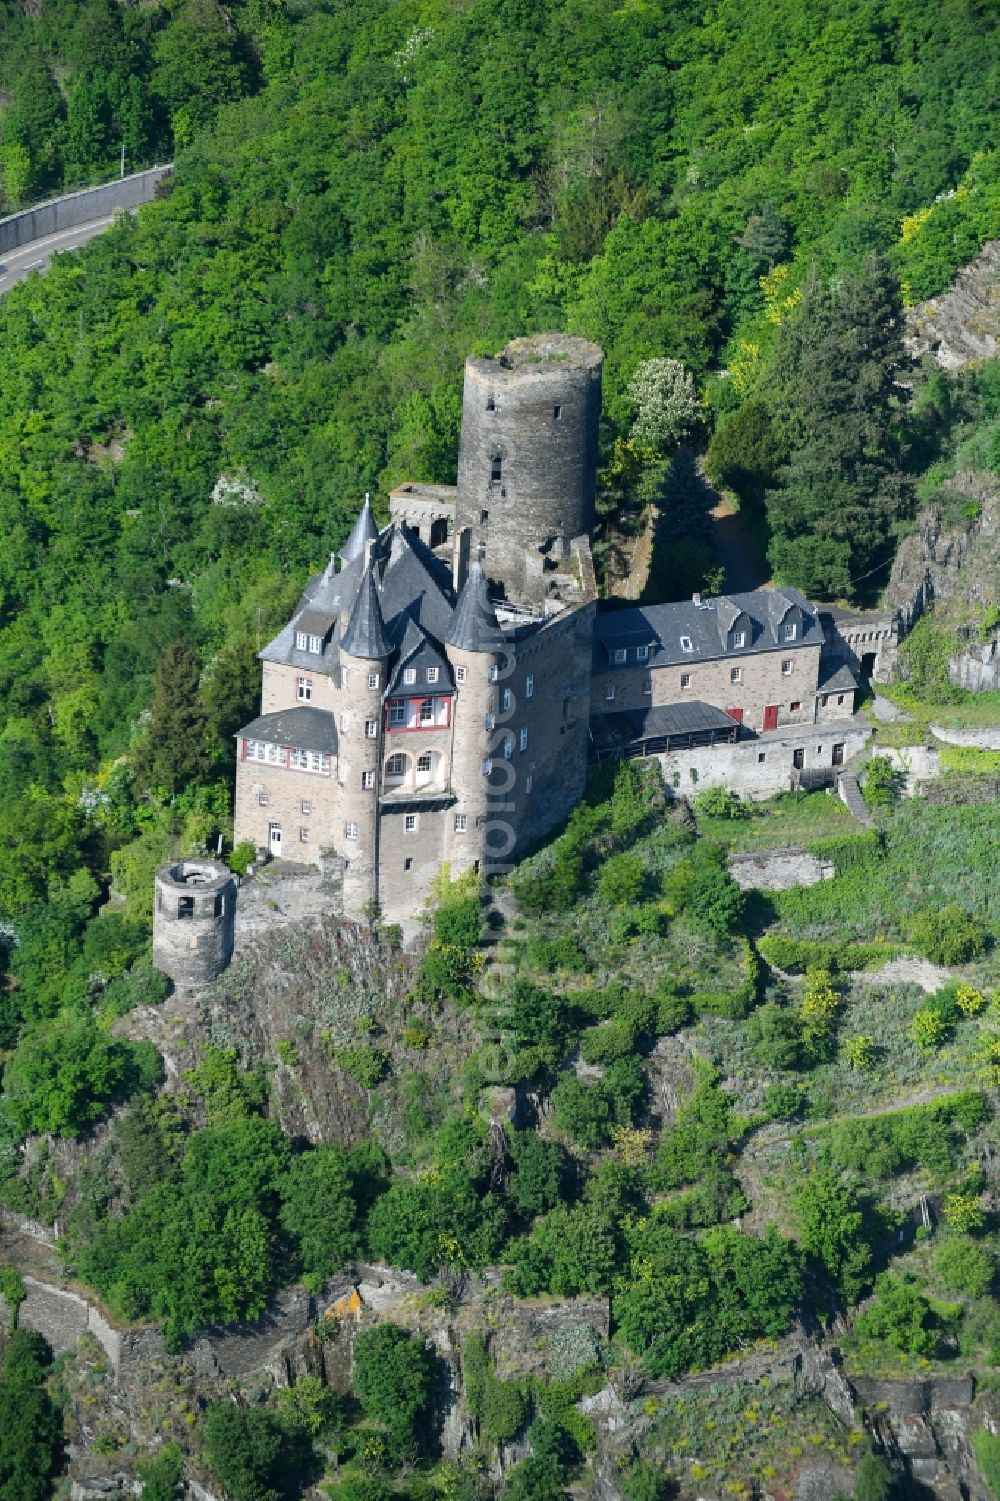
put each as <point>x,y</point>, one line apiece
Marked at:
<point>494,672</point>
<point>426,711</point>
<point>508,747</point>
<point>685,680</point>
<point>642,654</point>
<point>371,729</point>
<point>409,674</point>
<point>373,680</point>
<point>487,766</point>
<point>263,799</point>
<point>736,674</point>
<point>529,782</point>
<point>460,674</point>
<point>609,695</point>
<point>621,655</point>
<point>303,834</point>
<point>305,806</point>
<point>275,754</point>
<point>505,701</point>
<point>305,690</point>
<point>396,766</point>
<point>424,762</point>
<point>433,674</point>
<point>409,823</point>
<point>350,831</point>
<point>686,644</point>
<point>397,712</point>
<point>523,740</point>
<point>367,780</point>
<point>791,631</point>
<point>786,667</point>
<point>301,641</point>
<point>299,760</point>
<point>315,645</point>
<point>529,685</point>
<point>739,638</point>
<point>461,823</point>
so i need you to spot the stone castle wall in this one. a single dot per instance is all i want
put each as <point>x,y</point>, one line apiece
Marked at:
<point>762,683</point>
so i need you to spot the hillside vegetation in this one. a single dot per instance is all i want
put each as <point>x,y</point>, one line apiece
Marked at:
<point>366,192</point>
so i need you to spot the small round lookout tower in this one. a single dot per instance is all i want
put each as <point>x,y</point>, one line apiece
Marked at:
<point>194,921</point>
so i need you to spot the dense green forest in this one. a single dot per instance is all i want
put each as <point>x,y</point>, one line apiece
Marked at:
<point>366,192</point>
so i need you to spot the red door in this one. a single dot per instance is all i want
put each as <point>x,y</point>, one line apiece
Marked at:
<point>736,714</point>
<point>770,716</point>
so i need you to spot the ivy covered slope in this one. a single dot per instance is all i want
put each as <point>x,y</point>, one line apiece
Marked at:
<point>623,1078</point>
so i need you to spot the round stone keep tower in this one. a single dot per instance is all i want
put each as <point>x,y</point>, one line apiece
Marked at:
<point>527,466</point>
<point>194,921</point>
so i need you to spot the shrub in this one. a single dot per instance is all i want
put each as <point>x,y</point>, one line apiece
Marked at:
<point>622,879</point>
<point>717,802</point>
<point>964,1266</point>
<point>928,1028</point>
<point>969,1000</point>
<point>366,1065</point>
<point>986,1448</point>
<point>900,1315</point>
<point>607,1042</point>
<point>458,924</point>
<point>30,1427</point>
<point>947,935</point>
<point>243,856</point>
<point>672,1013</point>
<point>782,1102</point>
<point>64,1074</point>
<point>831,1230</point>
<point>12,1290</point>
<point>551,955</point>
<point>963,1212</point>
<point>501,1408</point>
<point>880,784</point>
<point>161,1476</point>
<point>253,1455</point>
<point>775,1036</point>
<point>393,1380</point>
<point>860,1052</point>
<point>543,1173</point>
<point>873,1480</point>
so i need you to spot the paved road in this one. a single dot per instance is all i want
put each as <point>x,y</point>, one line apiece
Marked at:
<point>15,264</point>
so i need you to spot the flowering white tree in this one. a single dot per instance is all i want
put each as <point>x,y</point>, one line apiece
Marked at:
<point>666,404</point>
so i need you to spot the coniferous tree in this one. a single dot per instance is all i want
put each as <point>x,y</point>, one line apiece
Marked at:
<point>836,401</point>
<point>176,750</point>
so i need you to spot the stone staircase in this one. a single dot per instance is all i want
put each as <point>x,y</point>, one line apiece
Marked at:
<point>850,794</point>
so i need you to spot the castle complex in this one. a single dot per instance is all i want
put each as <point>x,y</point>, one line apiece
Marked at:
<point>441,686</point>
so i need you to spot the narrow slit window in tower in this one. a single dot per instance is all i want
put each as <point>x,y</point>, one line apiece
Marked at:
<point>556,413</point>
<point>496,468</point>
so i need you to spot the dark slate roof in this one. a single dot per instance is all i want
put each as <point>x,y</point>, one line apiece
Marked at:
<point>365,634</point>
<point>417,650</point>
<point>835,677</point>
<point>414,583</point>
<point>315,623</point>
<point>363,531</point>
<point>705,624</point>
<point>301,728</point>
<point>429,802</point>
<point>664,722</point>
<point>474,624</point>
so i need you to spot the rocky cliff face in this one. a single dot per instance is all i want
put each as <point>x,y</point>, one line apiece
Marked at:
<point>952,557</point>
<point>963,323</point>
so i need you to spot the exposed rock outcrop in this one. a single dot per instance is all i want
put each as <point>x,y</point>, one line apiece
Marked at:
<point>951,557</point>
<point>963,323</point>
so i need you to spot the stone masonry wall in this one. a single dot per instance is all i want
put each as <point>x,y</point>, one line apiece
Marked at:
<point>762,683</point>
<point>760,768</point>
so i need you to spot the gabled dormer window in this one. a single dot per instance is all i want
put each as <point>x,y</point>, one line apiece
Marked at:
<point>739,638</point>
<point>686,644</point>
<point>791,630</point>
<point>642,654</point>
<point>621,655</point>
<point>315,645</point>
<point>301,641</point>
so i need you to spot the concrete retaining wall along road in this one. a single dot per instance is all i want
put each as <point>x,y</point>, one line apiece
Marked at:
<point>79,208</point>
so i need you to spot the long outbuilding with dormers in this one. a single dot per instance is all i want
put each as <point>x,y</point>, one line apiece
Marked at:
<point>761,658</point>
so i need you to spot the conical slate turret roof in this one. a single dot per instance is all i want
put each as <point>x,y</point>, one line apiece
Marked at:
<point>363,531</point>
<point>365,635</point>
<point>474,625</point>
